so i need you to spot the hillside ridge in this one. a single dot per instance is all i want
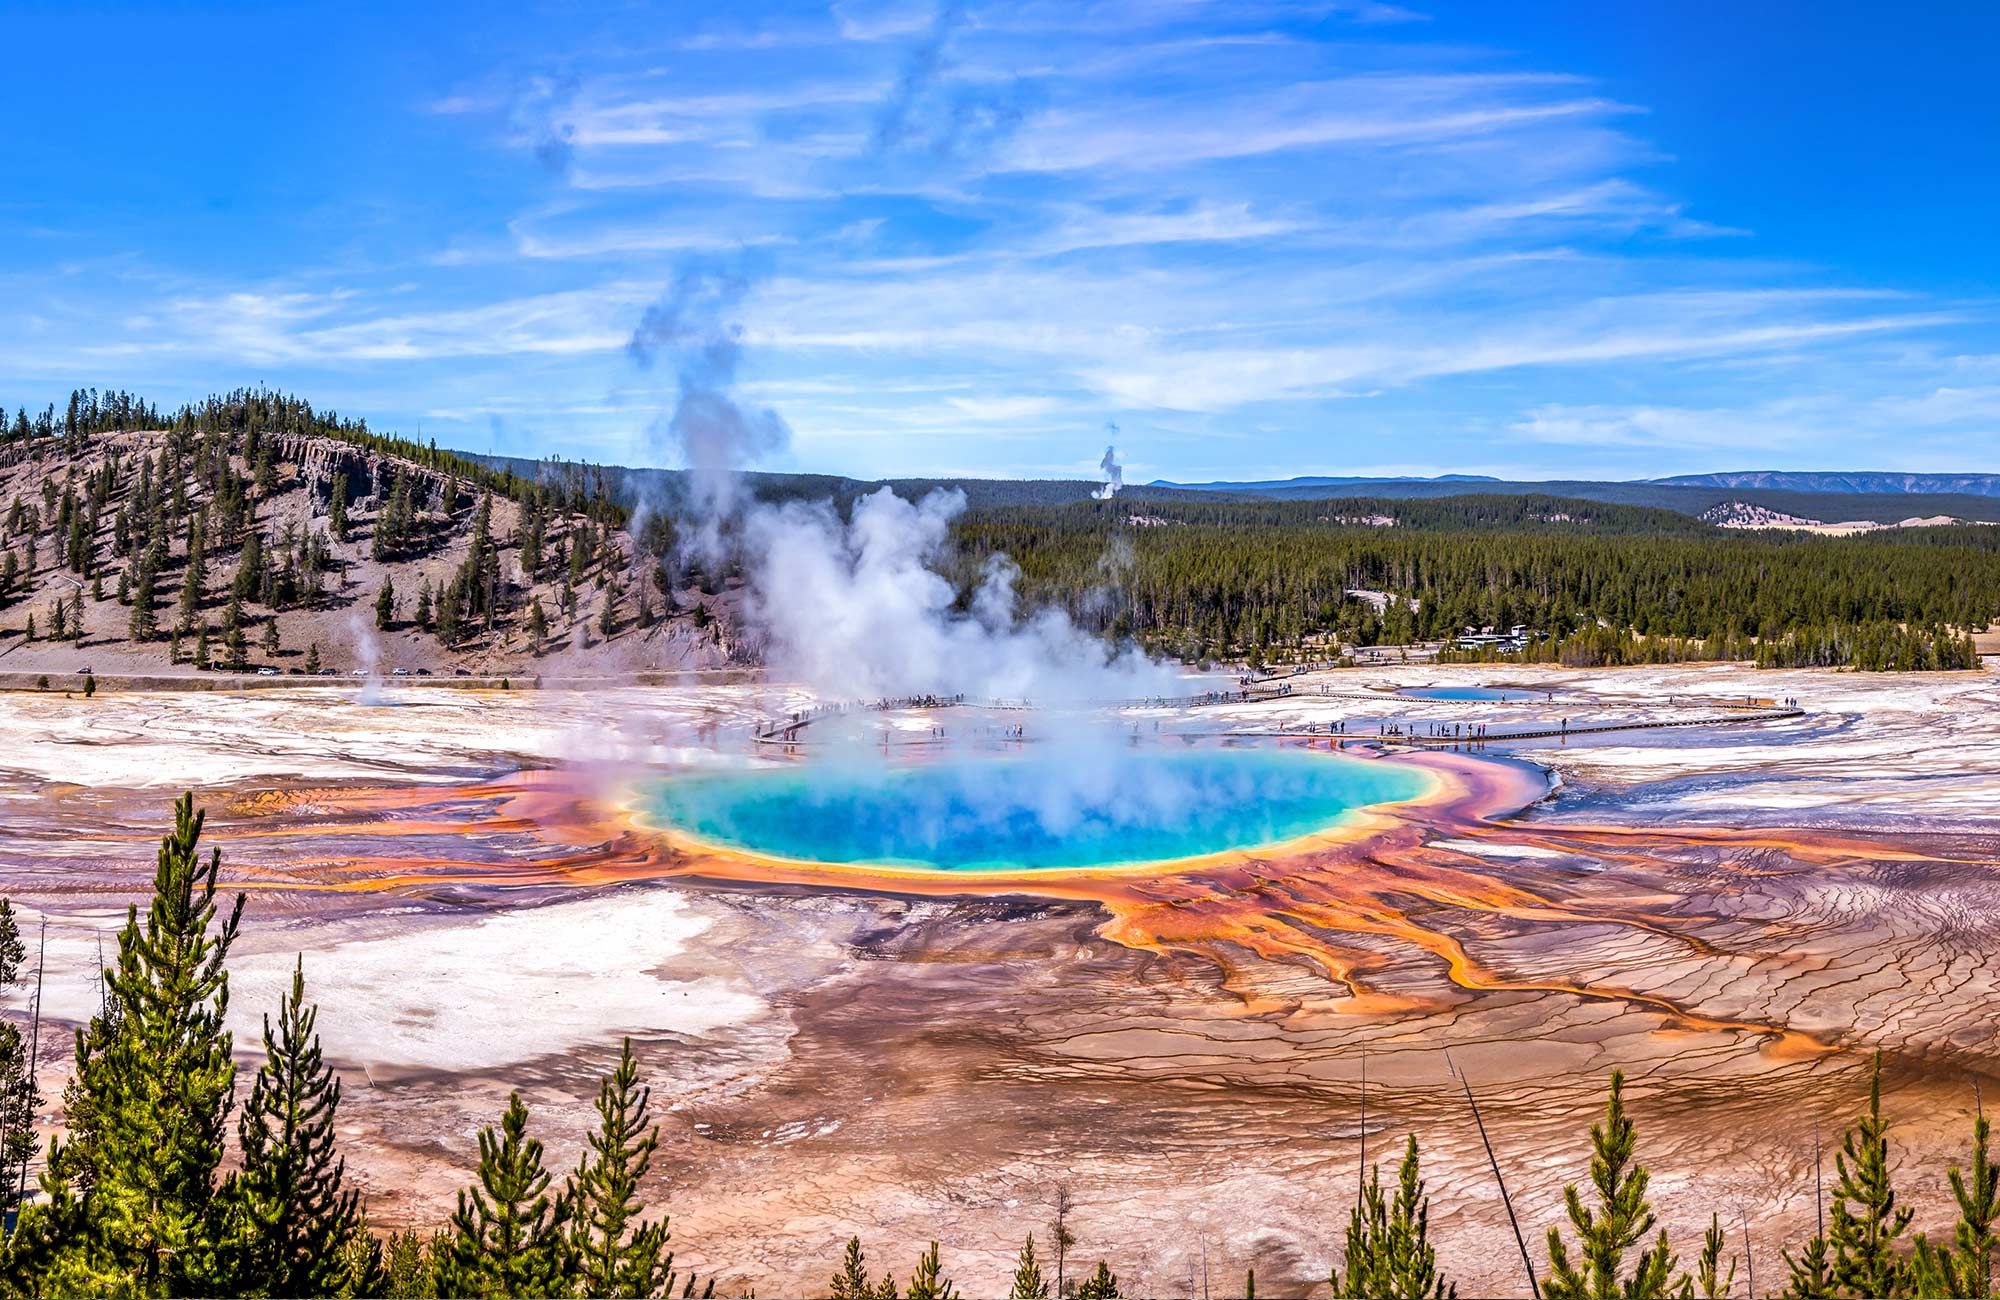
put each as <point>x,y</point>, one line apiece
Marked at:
<point>1838,482</point>
<point>186,550</point>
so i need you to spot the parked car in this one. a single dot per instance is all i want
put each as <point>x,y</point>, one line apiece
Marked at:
<point>423,672</point>
<point>461,672</point>
<point>83,671</point>
<point>399,672</point>
<point>328,672</point>
<point>358,672</point>
<point>267,672</point>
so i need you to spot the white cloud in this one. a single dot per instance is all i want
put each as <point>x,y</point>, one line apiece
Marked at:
<point>1172,207</point>
<point>1135,137</point>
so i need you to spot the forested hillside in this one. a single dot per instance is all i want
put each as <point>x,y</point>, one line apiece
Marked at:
<point>1683,496</point>
<point>1603,584</point>
<point>250,532</point>
<point>253,532</point>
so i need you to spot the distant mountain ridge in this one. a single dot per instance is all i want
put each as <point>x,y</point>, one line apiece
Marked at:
<point>1257,486</point>
<point>1856,481</point>
<point>1818,482</point>
<point>1846,496</point>
<point>664,489</point>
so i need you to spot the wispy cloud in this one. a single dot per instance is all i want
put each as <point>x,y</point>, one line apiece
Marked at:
<point>991,228</point>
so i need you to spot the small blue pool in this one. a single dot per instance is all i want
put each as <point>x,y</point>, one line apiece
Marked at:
<point>1471,693</point>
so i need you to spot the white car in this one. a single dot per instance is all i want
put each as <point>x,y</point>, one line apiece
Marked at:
<point>267,672</point>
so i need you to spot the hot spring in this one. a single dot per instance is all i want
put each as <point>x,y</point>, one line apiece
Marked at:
<point>1048,811</point>
<point>1487,693</point>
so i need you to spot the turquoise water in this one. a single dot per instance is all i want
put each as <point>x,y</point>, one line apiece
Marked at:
<point>1051,810</point>
<point>1467,693</point>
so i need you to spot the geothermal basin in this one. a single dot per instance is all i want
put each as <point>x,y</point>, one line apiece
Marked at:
<point>1136,807</point>
<point>1738,910</point>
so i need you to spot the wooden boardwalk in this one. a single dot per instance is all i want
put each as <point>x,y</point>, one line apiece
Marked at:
<point>1469,738</point>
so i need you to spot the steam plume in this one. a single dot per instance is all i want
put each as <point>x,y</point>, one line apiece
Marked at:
<point>710,431</point>
<point>927,112</point>
<point>1114,473</point>
<point>540,114</point>
<point>856,611</point>
<point>362,630</point>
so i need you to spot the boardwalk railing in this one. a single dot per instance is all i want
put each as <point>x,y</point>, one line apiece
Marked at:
<point>1588,729</point>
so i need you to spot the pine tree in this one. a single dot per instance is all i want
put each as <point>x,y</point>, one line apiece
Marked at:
<point>266,471</point>
<point>20,1098</point>
<point>79,552</point>
<point>75,1163</point>
<point>202,658</point>
<point>538,625</point>
<point>385,604</point>
<point>508,1234</point>
<point>270,638</point>
<point>1101,1285</point>
<point>1965,1267</point>
<point>450,607</point>
<point>1866,1221</point>
<point>618,1255</point>
<point>337,508</point>
<point>1623,1217</point>
<point>144,601</point>
<point>1028,1282</point>
<point>289,1222</point>
<point>409,1266</point>
<point>1709,1278</point>
<point>1060,1234</point>
<point>929,1282</point>
<point>249,567</point>
<point>1388,1246</point>
<point>239,651</point>
<point>851,1282</point>
<point>156,1090</point>
<point>194,581</point>
<point>312,658</point>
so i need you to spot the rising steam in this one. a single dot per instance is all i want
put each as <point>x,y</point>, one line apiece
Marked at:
<point>855,610</point>
<point>362,629</point>
<point>711,431</point>
<point>1114,474</point>
<point>540,115</point>
<point>938,118</point>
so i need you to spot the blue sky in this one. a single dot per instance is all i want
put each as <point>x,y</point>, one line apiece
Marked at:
<point>1538,239</point>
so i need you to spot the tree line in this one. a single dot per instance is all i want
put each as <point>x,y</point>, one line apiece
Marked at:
<point>135,1199</point>
<point>1281,579</point>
